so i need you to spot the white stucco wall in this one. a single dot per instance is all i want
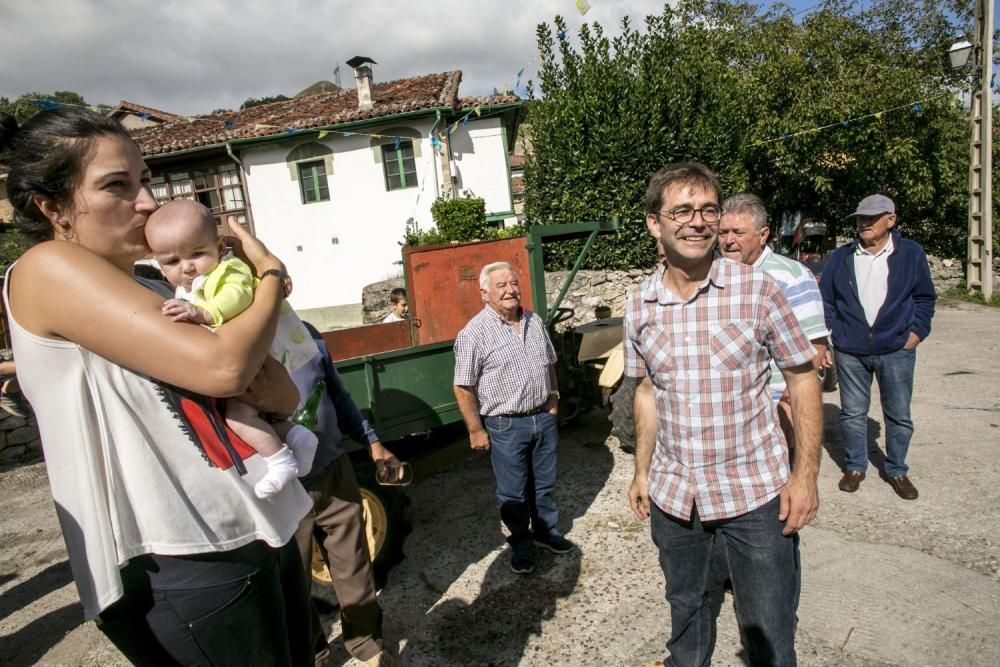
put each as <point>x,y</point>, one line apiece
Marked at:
<point>367,221</point>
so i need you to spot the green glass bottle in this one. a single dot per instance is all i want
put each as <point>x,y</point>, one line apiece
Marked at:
<point>306,415</point>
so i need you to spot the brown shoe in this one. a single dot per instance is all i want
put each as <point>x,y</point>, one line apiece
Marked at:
<point>851,481</point>
<point>903,487</point>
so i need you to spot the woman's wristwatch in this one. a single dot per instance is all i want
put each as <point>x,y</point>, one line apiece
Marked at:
<point>280,274</point>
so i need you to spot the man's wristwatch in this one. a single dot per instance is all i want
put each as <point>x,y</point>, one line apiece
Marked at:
<point>555,394</point>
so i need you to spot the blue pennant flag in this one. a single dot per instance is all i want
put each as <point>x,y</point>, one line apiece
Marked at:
<point>465,119</point>
<point>229,124</point>
<point>289,130</point>
<point>436,143</point>
<point>347,134</point>
<point>143,115</point>
<point>845,123</point>
<point>46,104</point>
<point>917,107</point>
<point>561,35</point>
<point>395,142</point>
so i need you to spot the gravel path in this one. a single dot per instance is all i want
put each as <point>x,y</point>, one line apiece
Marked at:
<point>886,582</point>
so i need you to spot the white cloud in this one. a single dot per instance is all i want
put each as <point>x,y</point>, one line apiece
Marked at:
<point>190,57</point>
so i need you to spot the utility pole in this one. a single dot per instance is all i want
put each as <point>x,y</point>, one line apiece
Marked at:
<point>979,275</point>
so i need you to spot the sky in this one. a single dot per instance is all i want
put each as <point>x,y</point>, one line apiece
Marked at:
<point>193,56</point>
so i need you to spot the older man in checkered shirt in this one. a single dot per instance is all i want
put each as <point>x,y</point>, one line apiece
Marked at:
<point>711,463</point>
<point>505,385</point>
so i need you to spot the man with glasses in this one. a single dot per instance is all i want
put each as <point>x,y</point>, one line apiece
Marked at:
<point>879,302</point>
<point>711,464</point>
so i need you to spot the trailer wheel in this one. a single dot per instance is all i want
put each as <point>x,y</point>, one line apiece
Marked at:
<point>621,417</point>
<point>387,523</point>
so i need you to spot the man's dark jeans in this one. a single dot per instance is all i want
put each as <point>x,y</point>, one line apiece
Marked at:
<point>523,453</point>
<point>764,575</point>
<point>894,373</point>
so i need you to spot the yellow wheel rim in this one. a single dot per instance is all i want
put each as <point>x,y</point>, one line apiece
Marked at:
<point>376,521</point>
<point>376,530</point>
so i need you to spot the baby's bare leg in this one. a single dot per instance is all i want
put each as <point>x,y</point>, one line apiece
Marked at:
<point>247,424</point>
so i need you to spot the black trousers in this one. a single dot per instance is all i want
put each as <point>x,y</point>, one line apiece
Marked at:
<point>239,607</point>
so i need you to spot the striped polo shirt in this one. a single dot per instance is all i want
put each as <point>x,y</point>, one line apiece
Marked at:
<point>509,372</point>
<point>799,286</point>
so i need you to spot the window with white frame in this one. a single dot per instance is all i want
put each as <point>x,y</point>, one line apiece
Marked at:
<point>217,186</point>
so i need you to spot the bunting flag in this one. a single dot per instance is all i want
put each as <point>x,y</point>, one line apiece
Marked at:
<point>47,105</point>
<point>915,106</point>
<point>395,143</point>
<point>478,110</point>
<point>143,115</point>
<point>561,35</point>
<point>229,124</point>
<point>436,143</point>
<point>583,7</point>
<point>322,133</point>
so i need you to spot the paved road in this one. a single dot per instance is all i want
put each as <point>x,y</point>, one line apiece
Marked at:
<point>886,582</point>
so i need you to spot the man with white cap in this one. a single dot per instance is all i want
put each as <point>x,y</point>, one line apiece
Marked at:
<point>878,299</point>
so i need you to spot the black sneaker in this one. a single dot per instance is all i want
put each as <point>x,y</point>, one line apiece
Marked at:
<point>522,563</point>
<point>557,544</point>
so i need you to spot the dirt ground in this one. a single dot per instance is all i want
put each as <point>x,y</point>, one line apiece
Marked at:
<point>885,581</point>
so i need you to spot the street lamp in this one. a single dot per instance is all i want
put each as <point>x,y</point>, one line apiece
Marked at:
<point>979,267</point>
<point>959,54</point>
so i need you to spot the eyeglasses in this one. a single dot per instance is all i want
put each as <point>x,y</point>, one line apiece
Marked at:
<point>683,215</point>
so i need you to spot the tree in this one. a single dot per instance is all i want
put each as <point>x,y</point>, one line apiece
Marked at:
<point>257,101</point>
<point>741,90</point>
<point>22,108</point>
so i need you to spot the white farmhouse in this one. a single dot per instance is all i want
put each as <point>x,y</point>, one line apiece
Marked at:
<point>330,181</point>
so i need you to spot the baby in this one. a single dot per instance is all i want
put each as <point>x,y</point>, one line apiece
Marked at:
<point>212,289</point>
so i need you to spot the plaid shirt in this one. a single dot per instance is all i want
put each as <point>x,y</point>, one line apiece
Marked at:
<point>509,372</point>
<point>718,441</point>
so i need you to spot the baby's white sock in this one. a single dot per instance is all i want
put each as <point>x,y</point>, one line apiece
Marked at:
<point>281,469</point>
<point>303,443</point>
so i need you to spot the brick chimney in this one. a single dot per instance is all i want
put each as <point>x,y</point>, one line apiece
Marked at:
<point>363,80</point>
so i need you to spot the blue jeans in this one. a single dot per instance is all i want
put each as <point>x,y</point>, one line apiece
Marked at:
<point>762,565</point>
<point>894,372</point>
<point>523,453</point>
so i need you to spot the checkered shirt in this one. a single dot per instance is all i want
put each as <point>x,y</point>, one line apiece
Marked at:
<point>799,286</point>
<point>718,443</point>
<point>509,372</point>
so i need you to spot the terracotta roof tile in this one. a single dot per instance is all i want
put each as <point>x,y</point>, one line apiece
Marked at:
<point>127,106</point>
<point>315,111</point>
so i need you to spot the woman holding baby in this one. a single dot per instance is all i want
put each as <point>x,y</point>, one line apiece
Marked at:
<point>171,550</point>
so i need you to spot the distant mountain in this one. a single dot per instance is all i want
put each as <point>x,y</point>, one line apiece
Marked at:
<point>317,88</point>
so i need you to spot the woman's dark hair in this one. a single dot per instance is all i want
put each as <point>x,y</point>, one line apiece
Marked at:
<point>46,157</point>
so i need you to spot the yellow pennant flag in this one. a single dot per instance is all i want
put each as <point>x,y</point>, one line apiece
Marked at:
<point>582,6</point>
<point>322,133</point>
<point>260,126</point>
<point>878,116</point>
<point>478,111</point>
<point>189,119</point>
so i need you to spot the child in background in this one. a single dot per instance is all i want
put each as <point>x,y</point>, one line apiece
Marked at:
<point>399,307</point>
<point>212,289</point>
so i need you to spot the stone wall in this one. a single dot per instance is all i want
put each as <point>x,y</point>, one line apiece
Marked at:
<point>19,442</point>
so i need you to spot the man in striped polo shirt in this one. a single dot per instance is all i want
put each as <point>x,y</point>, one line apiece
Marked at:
<point>743,235</point>
<point>505,385</point>
<point>711,463</point>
